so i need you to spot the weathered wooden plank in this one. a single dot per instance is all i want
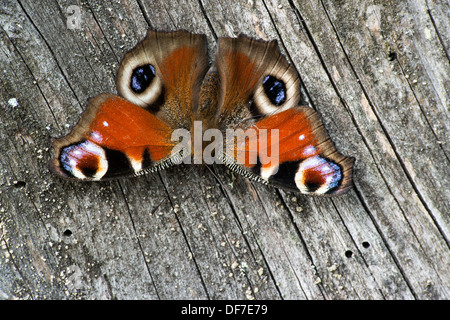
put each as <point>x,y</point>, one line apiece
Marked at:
<point>392,111</point>
<point>199,232</point>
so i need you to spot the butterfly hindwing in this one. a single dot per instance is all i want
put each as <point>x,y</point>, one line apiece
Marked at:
<point>255,80</point>
<point>163,74</point>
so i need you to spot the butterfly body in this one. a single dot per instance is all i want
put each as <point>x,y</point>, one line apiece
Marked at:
<point>242,111</point>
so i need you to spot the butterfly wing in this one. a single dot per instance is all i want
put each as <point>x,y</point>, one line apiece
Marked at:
<point>163,74</point>
<point>280,142</point>
<point>250,72</point>
<point>159,81</point>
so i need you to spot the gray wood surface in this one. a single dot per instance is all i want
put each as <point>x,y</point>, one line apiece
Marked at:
<point>377,72</point>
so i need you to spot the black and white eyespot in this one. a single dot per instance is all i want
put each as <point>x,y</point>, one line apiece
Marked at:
<point>275,90</point>
<point>84,160</point>
<point>318,175</point>
<point>139,81</point>
<point>141,78</point>
<point>278,91</point>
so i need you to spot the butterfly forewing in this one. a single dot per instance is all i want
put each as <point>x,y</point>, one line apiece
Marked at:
<point>293,150</point>
<point>113,138</point>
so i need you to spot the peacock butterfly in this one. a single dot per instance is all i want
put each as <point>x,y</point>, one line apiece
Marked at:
<point>242,112</point>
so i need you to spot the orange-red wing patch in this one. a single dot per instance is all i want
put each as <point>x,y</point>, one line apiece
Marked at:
<point>293,149</point>
<point>121,125</point>
<point>113,138</point>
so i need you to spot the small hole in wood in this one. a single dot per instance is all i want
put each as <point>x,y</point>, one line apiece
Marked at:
<point>67,233</point>
<point>348,254</point>
<point>20,184</point>
<point>365,244</point>
<point>392,56</point>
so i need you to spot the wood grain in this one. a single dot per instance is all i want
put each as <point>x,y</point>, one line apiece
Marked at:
<point>376,71</point>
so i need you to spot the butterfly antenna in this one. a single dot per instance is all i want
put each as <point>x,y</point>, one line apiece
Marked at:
<point>215,176</point>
